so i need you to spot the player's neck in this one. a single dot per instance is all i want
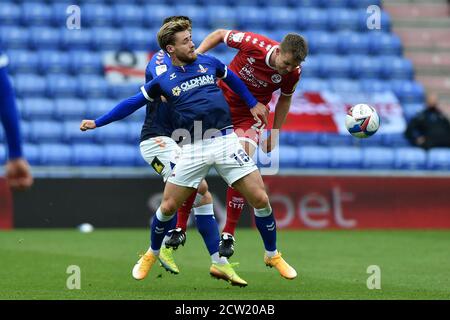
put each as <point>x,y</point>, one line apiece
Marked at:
<point>177,62</point>
<point>272,60</point>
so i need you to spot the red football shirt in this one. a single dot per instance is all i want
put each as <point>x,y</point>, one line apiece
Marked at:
<point>251,64</point>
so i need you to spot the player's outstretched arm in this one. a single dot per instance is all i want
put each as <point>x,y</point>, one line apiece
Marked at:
<point>122,110</point>
<point>212,40</point>
<point>258,110</point>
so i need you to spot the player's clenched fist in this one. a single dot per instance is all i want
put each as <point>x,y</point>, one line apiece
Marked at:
<point>260,111</point>
<point>87,125</point>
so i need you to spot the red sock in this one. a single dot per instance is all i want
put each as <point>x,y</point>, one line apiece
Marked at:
<point>235,205</point>
<point>185,210</point>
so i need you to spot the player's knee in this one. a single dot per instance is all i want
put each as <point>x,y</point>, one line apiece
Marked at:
<point>168,207</point>
<point>260,200</point>
<point>207,198</point>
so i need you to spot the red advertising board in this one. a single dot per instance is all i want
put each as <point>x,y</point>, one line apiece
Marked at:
<point>6,216</point>
<point>360,202</point>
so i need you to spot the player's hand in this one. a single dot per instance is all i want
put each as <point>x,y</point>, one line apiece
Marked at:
<point>87,125</point>
<point>271,142</point>
<point>18,174</point>
<point>260,112</point>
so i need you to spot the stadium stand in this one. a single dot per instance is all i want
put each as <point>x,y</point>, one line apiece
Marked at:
<point>59,74</point>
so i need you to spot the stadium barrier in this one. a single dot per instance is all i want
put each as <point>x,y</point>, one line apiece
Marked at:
<point>299,202</point>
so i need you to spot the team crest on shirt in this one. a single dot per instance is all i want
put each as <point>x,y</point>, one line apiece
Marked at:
<point>202,70</point>
<point>176,91</point>
<point>237,37</point>
<point>276,78</point>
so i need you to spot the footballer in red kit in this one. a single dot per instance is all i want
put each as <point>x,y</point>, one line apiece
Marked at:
<point>251,64</point>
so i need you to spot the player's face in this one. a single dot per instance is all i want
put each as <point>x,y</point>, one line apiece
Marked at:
<point>184,48</point>
<point>285,63</point>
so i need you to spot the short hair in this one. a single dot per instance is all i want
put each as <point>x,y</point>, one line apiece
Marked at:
<point>166,34</point>
<point>177,18</point>
<point>296,45</point>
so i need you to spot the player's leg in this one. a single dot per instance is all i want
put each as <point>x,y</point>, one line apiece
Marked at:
<point>234,199</point>
<point>239,171</point>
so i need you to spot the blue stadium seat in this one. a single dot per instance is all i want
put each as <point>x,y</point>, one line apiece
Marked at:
<point>128,15</point>
<point>378,158</point>
<point>408,91</point>
<point>10,14</point>
<point>335,139</point>
<point>59,85</point>
<point>312,19</point>
<point>305,3</point>
<point>76,39</point>
<point>289,157</point>
<point>45,131</point>
<point>195,13</point>
<point>250,17</point>
<point>365,67</point>
<point>88,155</point>
<point>374,85</point>
<point>31,153</point>
<point>365,19</point>
<point>345,157</point>
<point>138,115</point>
<point>219,16</point>
<point>44,38</point>
<point>411,110</point>
<point>14,37</point>
<point>29,85</point>
<point>438,159</point>
<point>120,155</point>
<point>92,86</point>
<point>376,140</point>
<point>344,85</point>
<point>312,66</point>
<point>97,15</point>
<point>396,68</point>
<point>134,132</point>
<point>281,18</point>
<point>55,154</point>
<point>333,66</point>
<point>25,128</point>
<point>200,34</point>
<point>70,109</point>
<point>106,38</point>
<point>22,61</point>
<point>384,43</point>
<point>410,158</point>
<point>98,107</point>
<point>85,62</point>
<point>342,19</point>
<point>113,133</point>
<point>53,61</point>
<point>363,4</point>
<point>353,43</point>
<point>154,14</point>
<point>275,4</point>
<point>321,42</point>
<point>60,12</point>
<point>140,39</point>
<point>313,85</point>
<point>34,14</point>
<point>125,90</point>
<point>72,133</point>
<point>37,109</point>
<point>395,140</point>
<point>302,138</point>
<point>313,157</point>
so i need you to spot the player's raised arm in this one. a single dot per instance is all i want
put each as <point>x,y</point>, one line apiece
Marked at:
<point>212,40</point>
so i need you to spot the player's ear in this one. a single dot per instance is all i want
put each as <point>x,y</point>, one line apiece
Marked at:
<point>170,49</point>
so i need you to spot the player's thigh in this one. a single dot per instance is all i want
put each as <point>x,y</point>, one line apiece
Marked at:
<point>192,166</point>
<point>203,187</point>
<point>251,186</point>
<point>249,147</point>
<point>161,154</point>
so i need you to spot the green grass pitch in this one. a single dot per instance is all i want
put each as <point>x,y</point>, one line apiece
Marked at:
<point>331,265</point>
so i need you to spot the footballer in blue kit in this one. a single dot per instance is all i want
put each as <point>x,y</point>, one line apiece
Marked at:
<point>18,172</point>
<point>190,86</point>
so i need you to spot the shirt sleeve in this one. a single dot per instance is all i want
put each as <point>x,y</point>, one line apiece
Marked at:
<point>151,90</point>
<point>245,41</point>
<point>290,83</point>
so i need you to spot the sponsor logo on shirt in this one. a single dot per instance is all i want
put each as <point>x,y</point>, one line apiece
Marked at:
<point>237,37</point>
<point>197,82</point>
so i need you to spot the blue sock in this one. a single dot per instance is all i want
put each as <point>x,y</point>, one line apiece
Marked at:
<point>268,230</point>
<point>172,224</point>
<point>160,225</point>
<point>208,228</point>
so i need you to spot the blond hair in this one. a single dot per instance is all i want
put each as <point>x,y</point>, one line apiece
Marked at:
<point>166,34</point>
